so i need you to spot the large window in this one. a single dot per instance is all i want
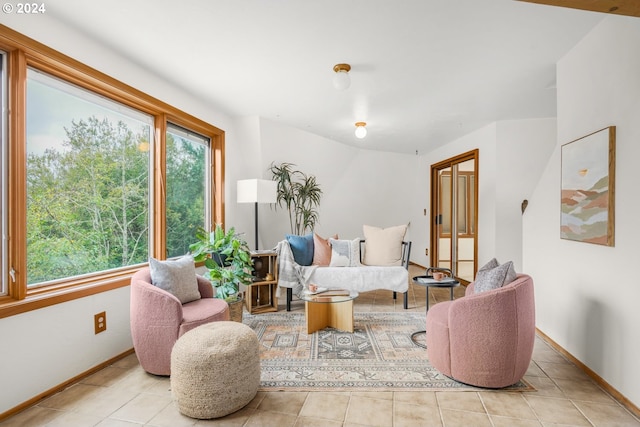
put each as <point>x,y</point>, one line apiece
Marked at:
<point>96,178</point>
<point>87,182</point>
<point>187,181</point>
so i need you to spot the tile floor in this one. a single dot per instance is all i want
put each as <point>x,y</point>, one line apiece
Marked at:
<point>123,395</point>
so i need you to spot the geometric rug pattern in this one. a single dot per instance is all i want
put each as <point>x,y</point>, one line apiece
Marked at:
<point>378,356</point>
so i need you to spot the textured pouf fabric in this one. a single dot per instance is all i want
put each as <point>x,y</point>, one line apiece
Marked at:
<point>215,369</point>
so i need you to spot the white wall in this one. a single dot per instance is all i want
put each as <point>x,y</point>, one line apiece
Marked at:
<point>359,186</point>
<point>502,183</point>
<point>44,348</point>
<point>586,295</point>
<point>385,189</point>
<point>512,155</point>
<point>523,150</point>
<point>242,161</point>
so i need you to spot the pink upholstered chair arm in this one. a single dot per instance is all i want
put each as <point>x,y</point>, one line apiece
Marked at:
<point>470,289</point>
<point>438,335</point>
<point>206,289</point>
<point>154,307</point>
<point>156,316</point>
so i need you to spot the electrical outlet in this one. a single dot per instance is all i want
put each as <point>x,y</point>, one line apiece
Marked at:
<point>100,322</point>
<point>426,252</point>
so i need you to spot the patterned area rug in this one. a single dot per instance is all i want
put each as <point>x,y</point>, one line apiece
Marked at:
<point>378,355</point>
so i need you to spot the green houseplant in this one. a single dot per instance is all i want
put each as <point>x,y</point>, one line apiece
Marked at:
<point>227,259</point>
<point>300,194</point>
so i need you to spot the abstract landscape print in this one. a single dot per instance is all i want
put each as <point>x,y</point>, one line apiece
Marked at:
<point>588,177</point>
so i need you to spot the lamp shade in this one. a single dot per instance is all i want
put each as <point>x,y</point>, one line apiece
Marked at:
<point>257,191</point>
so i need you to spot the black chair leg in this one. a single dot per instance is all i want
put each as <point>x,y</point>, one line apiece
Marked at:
<point>289,297</point>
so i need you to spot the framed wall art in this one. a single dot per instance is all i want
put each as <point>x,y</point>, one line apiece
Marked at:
<point>587,188</point>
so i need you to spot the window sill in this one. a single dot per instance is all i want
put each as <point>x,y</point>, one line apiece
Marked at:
<point>48,297</point>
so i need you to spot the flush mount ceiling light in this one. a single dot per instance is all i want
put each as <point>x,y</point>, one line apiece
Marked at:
<point>361,130</point>
<point>341,80</point>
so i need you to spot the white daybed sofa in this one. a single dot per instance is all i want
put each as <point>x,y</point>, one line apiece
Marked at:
<point>294,277</point>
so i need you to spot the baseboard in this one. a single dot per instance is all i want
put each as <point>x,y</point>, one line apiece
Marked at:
<point>62,386</point>
<point>630,406</point>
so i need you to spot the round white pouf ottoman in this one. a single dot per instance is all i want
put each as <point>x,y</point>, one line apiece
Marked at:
<point>215,369</point>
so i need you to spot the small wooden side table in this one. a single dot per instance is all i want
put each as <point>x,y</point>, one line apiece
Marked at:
<point>261,296</point>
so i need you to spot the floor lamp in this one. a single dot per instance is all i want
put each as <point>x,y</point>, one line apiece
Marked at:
<point>257,191</point>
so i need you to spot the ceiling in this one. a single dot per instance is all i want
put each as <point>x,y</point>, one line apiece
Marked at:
<point>424,72</point>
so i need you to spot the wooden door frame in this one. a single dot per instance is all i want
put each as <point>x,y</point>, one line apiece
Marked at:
<point>435,168</point>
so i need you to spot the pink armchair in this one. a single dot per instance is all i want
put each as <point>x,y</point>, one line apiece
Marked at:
<point>158,319</point>
<point>484,339</point>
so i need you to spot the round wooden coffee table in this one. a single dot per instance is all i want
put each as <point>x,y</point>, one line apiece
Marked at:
<point>331,308</point>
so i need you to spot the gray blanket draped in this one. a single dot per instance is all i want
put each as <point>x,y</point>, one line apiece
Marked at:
<point>290,274</point>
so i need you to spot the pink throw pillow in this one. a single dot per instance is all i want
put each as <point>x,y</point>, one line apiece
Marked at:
<point>321,250</point>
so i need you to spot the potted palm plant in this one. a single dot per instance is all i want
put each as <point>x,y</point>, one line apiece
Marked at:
<point>299,194</point>
<point>227,259</point>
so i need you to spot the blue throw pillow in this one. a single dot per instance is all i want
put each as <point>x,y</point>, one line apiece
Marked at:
<point>302,248</point>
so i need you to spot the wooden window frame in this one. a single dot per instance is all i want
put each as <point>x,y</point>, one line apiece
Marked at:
<point>24,52</point>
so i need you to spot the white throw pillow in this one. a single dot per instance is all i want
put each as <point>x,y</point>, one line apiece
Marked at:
<point>383,246</point>
<point>345,253</point>
<point>177,277</point>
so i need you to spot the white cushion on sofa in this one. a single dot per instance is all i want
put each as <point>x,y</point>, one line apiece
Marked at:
<point>361,279</point>
<point>383,246</point>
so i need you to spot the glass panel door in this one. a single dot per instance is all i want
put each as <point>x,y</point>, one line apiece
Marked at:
<point>465,235</point>
<point>443,220</point>
<point>454,205</point>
